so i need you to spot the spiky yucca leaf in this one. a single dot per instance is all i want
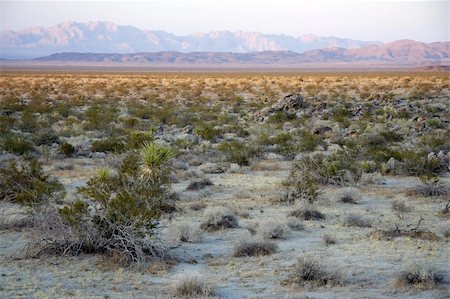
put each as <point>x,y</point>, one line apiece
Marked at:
<point>103,174</point>
<point>154,160</point>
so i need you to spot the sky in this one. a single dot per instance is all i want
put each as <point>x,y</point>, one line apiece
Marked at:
<point>383,21</point>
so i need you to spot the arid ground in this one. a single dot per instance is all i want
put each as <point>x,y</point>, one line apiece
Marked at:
<point>275,185</point>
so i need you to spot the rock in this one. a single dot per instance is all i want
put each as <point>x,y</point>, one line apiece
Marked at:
<point>391,164</point>
<point>274,156</point>
<point>431,156</point>
<point>98,155</point>
<point>291,102</point>
<point>212,168</point>
<point>187,138</point>
<point>234,168</point>
<point>441,155</point>
<point>323,130</point>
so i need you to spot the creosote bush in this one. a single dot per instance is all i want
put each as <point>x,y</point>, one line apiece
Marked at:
<point>16,145</point>
<point>431,186</point>
<point>67,149</point>
<point>119,211</point>
<point>24,182</point>
<point>109,145</point>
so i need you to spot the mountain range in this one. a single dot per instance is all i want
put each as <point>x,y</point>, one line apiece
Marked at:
<point>107,37</point>
<point>106,42</point>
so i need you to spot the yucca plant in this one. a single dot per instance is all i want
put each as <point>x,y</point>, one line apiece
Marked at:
<point>154,163</point>
<point>120,209</point>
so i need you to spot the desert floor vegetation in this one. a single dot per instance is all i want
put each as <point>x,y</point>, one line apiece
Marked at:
<point>268,184</point>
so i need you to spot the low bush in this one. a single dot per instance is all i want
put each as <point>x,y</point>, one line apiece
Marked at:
<point>45,137</point>
<point>67,149</point>
<point>400,208</point>
<point>136,139</point>
<point>420,277</point>
<point>218,218</point>
<point>254,248</point>
<point>294,224</point>
<point>309,272</point>
<point>237,152</point>
<point>191,285</point>
<point>328,239</point>
<point>184,232</point>
<point>431,186</point>
<point>357,221</point>
<point>307,214</point>
<point>24,182</point>
<point>349,195</point>
<point>17,145</point>
<point>118,213</point>
<point>112,144</point>
<point>273,230</point>
<point>198,185</point>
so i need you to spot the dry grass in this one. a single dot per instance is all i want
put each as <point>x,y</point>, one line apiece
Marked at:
<point>307,214</point>
<point>217,218</point>
<point>309,272</point>
<point>191,285</point>
<point>420,277</point>
<point>247,248</point>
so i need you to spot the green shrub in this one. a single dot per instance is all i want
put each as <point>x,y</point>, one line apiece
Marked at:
<point>309,141</point>
<point>130,206</point>
<point>136,139</point>
<point>280,117</point>
<point>45,137</point>
<point>67,149</point>
<point>111,144</point>
<point>208,132</point>
<point>418,164</point>
<point>17,145</point>
<point>24,182</point>
<point>237,152</point>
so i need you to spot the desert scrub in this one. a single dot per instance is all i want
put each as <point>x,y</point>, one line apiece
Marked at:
<point>273,230</point>
<point>208,132</point>
<point>135,139</point>
<point>191,285</point>
<point>111,144</point>
<point>309,272</point>
<point>420,277</point>
<point>307,214</point>
<point>67,149</point>
<point>431,186</point>
<point>24,182</point>
<point>309,172</point>
<point>118,213</point>
<point>238,152</point>
<point>349,195</point>
<point>185,232</point>
<point>400,208</point>
<point>217,218</point>
<point>357,221</point>
<point>16,145</point>
<point>199,184</point>
<point>246,248</point>
<point>45,137</point>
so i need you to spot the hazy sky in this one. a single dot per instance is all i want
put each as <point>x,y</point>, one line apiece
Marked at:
<point>366,20</point>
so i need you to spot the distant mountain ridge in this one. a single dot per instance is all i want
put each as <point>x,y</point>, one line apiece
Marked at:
<point>402,52</point>
<point>107,37</point>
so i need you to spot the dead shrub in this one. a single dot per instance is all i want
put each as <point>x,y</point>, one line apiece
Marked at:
<point>198,185</point>
<point>349,195</point>
<point>191,285</point>
<point>357,221</point>
<point>247,248</point>
<point>309,272</point>
<point>400,208</point>
<point>307,214</point>
<point>185,232</point>
<point>420,277</point>
<point>273,230</point>
<point>218,218</point>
